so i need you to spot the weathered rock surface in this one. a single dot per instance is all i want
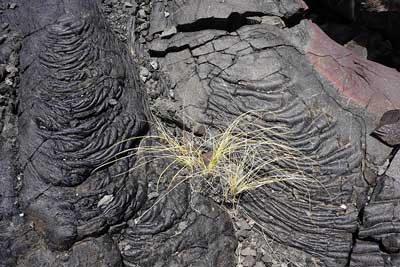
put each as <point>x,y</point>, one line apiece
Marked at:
<point>79,104</point>
<point>71,97</point>
<point>329,95</point>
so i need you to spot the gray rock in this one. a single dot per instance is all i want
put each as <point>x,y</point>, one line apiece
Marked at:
<point>248,252</point>
<point>266,259</point>
<point>141,14</point>
<point>144,74</point>
<point>249,261</point>
<point>104,201</point>
<point>154,64</point>
<point>112,102</point>
<point>243,234</point>
<point>144,26</point>
<point>273,20</point>
<point>11,69</point>
<point>169,32</point>
<point>243,225</point>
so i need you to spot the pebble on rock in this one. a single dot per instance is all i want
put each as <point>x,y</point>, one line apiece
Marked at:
<point>249,261</point>
<point>154,64</point>
<point>248,252</point>
<point>105,200</point>
<point>144,74</point>
<point>141,13</point>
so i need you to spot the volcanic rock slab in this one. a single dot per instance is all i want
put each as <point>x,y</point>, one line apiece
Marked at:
<point>80,104</point>
<point>327,94</point>
<point>72,100</point>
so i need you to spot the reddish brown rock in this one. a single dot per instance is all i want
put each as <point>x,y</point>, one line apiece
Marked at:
<point>368,84</point>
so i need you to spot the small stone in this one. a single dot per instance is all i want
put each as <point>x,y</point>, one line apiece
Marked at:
<point>266,259</point>
<point>105,200</point>
<point>8,82</point>
<point>142,40</point>
<point>273,20</point>
<point>249,261</point>
<point>11,69</point>
<point>13,5</point>
<point>182,226</point>
<point>171,94</point>
<point>112,101</point>
<point>21,215</point>
<point>144,26</point>
<point>343,207</point>
<point>248,252</point>
<point>169,32</point>
<point>141,14</point>
<point>251,223</point>
<point>154,64</point>
<point>144,73</point>
<point>243,234</point>
<point>166,14</point>
<point>243,225</point>
<point>144,33</point>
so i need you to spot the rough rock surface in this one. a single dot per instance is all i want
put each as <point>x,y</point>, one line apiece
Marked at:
<point>307,82</point>
<point>79,103</point>
<point>72,97</point>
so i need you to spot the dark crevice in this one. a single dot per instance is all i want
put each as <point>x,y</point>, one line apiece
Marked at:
<point>353,243</point>
<point>235,21</point>
<point>171,49</point>
<point>294,19</point>
<point>355,235</point>
<point>230,24</point>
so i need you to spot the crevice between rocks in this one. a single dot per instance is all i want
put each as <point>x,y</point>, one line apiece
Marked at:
<point>231,24</point>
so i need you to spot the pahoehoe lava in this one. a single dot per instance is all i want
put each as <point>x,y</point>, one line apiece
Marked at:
<point>86,85</point>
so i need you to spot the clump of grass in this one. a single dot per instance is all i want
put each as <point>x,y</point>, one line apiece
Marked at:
<point>239,158</point>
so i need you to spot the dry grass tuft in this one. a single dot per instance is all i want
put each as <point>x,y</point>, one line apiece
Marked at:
<point>244,156</point>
